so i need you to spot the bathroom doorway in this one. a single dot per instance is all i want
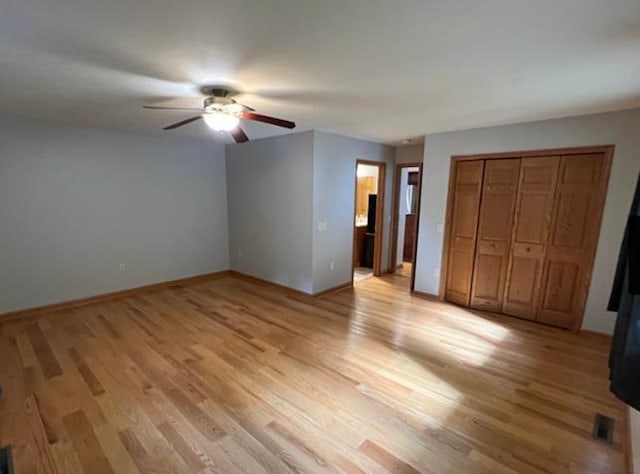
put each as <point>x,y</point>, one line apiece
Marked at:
<point>368,220</point>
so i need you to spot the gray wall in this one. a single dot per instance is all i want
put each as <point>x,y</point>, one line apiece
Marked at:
<point>270,193</point>
<point>409,153</point>
<point>76,202</point>
<point>620,128</point>
<point>280,189</point>
<point>334,174</point>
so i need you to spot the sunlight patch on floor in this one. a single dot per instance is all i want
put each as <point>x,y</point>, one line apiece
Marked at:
<point>473,345</point>
<point>433,399</point>
<point>410,341</point>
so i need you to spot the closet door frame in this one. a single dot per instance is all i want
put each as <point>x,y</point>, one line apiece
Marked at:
<point>606,150</point>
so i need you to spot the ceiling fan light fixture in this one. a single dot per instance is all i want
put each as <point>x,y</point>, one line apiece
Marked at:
<point>221,121</point>
<point>222,113</point>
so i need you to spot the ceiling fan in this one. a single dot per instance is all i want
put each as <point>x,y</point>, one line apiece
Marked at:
<point>221,112</point>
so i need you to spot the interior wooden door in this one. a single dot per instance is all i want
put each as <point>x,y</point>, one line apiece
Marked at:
<point>574,234</point>
<point>532,220</point>
<point>499,189</point>
<point>467,186</point>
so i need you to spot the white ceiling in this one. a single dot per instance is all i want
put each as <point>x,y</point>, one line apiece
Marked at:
<point>383,70</point>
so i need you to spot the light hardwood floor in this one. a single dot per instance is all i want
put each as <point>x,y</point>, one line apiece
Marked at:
<point>234,376</point>
<point>405,271</point>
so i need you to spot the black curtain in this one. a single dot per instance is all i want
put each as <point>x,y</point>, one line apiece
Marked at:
<point>624,360</point>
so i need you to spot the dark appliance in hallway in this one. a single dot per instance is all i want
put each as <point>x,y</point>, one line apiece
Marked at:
<point>371,214</point>
<point>368,243</point>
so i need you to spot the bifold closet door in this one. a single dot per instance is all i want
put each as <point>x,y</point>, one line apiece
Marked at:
<point>499,189</point>
<point>574,233</point>
<point>532,221</point>
<point>467,186</point>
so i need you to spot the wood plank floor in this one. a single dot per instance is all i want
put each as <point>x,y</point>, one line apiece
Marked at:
<point>234,376</point>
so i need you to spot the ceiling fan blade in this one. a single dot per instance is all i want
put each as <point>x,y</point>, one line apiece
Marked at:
<point>183,122</point>
<point>156,107</point>
<point>266,119</point>
<point>246,107</point>
<point>238,135</point>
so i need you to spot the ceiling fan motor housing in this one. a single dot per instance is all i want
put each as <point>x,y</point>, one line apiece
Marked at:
<point>218,97</point>
<point>217,103</point>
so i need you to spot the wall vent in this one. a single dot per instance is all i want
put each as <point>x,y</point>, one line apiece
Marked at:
<point>603,428</point>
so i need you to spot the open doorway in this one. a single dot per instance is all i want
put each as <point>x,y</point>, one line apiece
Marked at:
<point>406,208</point>
<point>368,220</point>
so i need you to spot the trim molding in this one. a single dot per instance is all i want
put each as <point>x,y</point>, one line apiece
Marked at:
<point>262,281</point>
<point>29,312</point>
<point>335,289</point>
<point>288,289</point>
<point>629,447</point>
<point>576,150</point>
<point>49,308</point>
<point>426,296</point>
<point>595,333</point>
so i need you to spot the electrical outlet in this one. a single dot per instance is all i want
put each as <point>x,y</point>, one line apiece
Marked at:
<point>436,272</point>
<point>332,266</point>
<point>123,267</point>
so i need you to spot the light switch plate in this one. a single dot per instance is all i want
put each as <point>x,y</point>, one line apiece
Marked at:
<point>439,228</point>
<point>436,272</point>
<point>322,226</point>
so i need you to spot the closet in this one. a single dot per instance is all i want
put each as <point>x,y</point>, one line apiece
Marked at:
<point>522,230</point>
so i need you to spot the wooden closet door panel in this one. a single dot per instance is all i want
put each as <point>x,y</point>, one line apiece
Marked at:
<point>574,234</point>
<point>464,224</point>
<point>499,189</point>
<point>532,220</point>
